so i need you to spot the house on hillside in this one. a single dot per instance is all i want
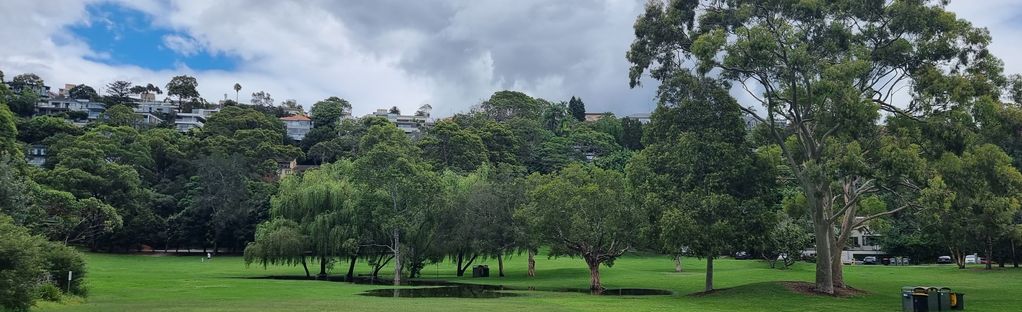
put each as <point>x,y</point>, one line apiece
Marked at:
<point>188,121</point>
<point>43,91</point>
<point>297,126</point>
<point>643,118</point>
<point>410,124</point>
<point>36,155</point>
<point>593,117</point>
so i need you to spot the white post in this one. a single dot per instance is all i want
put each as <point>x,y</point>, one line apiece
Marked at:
<point>68,282</point>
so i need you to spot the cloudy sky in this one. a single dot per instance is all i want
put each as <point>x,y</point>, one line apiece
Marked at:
<point>449,53</point>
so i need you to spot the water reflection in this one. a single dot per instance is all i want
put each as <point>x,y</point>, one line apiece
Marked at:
<point>446,289</point>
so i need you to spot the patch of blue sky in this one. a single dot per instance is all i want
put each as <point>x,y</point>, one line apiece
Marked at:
<point>124,36</point>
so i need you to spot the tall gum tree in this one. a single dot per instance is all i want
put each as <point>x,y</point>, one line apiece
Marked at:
<point>811,63</point>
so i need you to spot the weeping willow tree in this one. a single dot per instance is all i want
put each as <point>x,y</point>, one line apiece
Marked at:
<point>277,242</point>
<point>315,214</point>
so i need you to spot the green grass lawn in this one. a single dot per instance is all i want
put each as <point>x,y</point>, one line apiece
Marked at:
<point>179,283</point>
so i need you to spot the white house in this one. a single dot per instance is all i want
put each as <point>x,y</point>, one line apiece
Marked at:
<point>188,121</point>
<point>410,124</point>
<point>297,126</point>
<point>36,155</point>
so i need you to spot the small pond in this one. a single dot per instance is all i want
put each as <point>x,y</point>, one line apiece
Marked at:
<point>446,289</point>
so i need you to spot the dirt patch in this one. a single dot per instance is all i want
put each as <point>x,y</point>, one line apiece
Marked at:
<point>809,289</point>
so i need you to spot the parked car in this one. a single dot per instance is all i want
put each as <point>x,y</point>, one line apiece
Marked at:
<point>944,260</point>
<point>869,260</point>
<point>973,259</point>
<point>741,255</point>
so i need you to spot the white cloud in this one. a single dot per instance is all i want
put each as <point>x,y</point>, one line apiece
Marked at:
<point>451,54</point>
<point>182,45</point>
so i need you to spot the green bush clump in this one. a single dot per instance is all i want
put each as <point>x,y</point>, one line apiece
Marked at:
<point>33,268</point>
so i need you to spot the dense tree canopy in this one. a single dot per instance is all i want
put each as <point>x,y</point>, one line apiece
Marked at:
<point>827,73</point>
<point>583,211</point>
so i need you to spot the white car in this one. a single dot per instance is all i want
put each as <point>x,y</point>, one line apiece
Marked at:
<point>973,259</point>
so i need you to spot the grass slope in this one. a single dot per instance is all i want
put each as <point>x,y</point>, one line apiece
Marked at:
<point>177,283</point>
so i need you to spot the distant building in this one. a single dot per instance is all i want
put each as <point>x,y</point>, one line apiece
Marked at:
<point>410,124</point>
<point>188,121</point>
<point>592,117</point>
<point>36,155</point>
<point>297,126</point>
<point>42,91</point>
<point>285,168</point>
<point>66,90</point>
<point>155,107</point>
<point>93,109</point>
<point>149,118</point>
<point>60,104</point>
<point>643,118</point>
<point>53,106</point>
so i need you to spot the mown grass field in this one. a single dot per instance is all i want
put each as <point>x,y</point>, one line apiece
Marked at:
<point>180,283</point>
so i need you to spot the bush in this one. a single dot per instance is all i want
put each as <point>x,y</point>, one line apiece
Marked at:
<point>33,268</point>
<point>21,266</point>
<point>48,292</point>
<point>59,260</point>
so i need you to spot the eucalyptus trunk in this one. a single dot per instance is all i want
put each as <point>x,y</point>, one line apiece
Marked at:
<point>958,256</point>
<point>594,275</point>
<point>500,265</point>
<point>823,235</point>
<point>532,263</point>
<point>709,274</point>
<point>397,256</point>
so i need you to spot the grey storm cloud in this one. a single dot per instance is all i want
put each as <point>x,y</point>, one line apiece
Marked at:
<point>577,45</point>
<point>451,54</point>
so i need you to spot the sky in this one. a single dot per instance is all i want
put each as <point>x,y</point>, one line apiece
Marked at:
<point>451,54</point>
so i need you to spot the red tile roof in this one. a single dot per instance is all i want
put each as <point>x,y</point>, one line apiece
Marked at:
<point>295,118</point>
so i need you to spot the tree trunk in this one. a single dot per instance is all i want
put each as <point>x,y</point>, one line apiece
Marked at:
<point>677,263</point>
<point>957,255</point>
<point>836,266</point>
<point>838,245</point>
<point>532,263</point>
<point>709,274</point>
<point>823,232</point>
<point>397,257</point>
<point>322,267</point>
<point>500,265</point>
<point>460,269</point>
<point>306,267</point>
<point>990,253</point>
<point>1014,257</point>
<point>351,269</point>
<point>594,275</point>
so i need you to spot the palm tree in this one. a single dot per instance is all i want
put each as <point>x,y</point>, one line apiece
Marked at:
<point>237,88</point>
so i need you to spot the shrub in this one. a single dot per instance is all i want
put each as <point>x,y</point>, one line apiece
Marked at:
<point>48,292</point>
<point>33,268</point>
<point>60,259</point>
<point>21,265</point>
